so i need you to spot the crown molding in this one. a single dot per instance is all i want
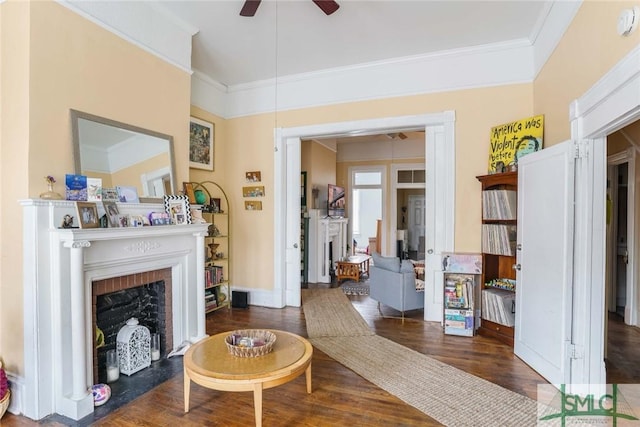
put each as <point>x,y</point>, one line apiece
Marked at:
<point>169,38</point>
<point>149,28</point>
<point>482,66</point>
<point>552,27</point>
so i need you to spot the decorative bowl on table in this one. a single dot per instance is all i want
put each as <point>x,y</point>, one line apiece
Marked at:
<point>250,342</point>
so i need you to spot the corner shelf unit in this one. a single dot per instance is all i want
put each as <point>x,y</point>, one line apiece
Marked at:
<point>498,255</point>
<point>217,271</point>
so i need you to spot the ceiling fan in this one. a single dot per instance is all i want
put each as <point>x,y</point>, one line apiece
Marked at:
<point>251,6</point>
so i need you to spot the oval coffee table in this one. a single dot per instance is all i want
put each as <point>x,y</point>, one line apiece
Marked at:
<point>209,364</point>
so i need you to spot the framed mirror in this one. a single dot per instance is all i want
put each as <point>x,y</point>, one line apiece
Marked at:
<point>123,155</point>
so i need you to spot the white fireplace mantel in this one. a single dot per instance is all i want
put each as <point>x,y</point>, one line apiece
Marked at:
<point>59,268</point>
<point>325,233</point>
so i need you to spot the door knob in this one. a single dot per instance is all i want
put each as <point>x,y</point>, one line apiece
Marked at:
<point>295,245</point>
<point>517,267</point>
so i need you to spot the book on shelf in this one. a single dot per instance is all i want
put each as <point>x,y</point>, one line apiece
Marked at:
<point>498,306</point>
<point>458,290</point>
<point>499,204</point>
<point>213,275</point>
<point>499,239</point>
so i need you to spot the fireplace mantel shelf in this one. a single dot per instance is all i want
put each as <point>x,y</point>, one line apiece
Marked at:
<point>91,234</point>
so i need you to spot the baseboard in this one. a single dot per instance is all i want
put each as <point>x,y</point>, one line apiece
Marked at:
<point>16,384</point>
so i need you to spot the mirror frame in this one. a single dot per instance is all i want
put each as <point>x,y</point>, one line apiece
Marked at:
<point>75,139</point>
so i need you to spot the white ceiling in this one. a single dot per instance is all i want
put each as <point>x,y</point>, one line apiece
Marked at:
<point>292,37</point>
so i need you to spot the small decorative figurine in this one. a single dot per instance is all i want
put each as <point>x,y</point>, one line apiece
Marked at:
<point>67,221</point>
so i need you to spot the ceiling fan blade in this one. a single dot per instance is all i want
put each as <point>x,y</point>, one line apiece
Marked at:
<point>250,7</point>
<point>327,6</point>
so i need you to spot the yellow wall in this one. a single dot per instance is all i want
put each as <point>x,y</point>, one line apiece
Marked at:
<point>14,173</point>
<point>54,60</point>
<point>589,48</point>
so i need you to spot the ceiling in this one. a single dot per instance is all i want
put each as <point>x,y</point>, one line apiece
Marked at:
<point>295,37</point>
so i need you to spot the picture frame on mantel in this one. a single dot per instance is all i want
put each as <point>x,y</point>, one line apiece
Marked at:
<point>87,214</point>
<point>201,144</point>
<point>178,209</point>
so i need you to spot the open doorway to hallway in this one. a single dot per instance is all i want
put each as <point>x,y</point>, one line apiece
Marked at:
<point>622,336</point>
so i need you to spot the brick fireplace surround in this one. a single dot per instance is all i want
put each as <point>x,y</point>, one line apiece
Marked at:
<point>61,266</point>
<point>120,283</point>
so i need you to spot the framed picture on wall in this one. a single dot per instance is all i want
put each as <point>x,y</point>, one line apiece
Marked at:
<point>201,138</point>
<point>253,176</point>
<point>253,205</point>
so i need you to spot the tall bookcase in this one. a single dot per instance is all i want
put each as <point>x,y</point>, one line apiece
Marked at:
<point>499,221</point>
<point>217,270</point>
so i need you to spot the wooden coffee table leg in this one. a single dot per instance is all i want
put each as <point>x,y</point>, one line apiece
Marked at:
<point>187,390</point>
<point>257,403</point>
<point>308,376</point>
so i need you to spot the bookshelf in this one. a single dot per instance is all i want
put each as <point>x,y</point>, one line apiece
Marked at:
<point>217,270</point>
<point>499,222</point>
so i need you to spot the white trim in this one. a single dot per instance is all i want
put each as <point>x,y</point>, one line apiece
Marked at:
<point>137,21</point>
<point>554,24</point>
<point>441,130</point>
<point>492,65</point>
<point>382,169</point>
<point>611,103</point>
<point>395,186</point>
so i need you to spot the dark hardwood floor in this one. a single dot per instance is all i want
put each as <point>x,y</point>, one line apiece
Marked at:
<point>339,396</point>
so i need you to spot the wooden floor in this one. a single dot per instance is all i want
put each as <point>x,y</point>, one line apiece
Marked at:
<point>339,396</point>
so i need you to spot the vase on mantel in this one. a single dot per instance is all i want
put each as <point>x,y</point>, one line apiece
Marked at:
<point>50,194</point>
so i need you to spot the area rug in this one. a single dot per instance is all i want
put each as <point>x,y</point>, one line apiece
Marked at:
<point>446,394</point>
<point>355,288</point>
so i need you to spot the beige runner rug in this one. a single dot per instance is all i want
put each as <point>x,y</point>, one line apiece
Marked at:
<point>447,394</point>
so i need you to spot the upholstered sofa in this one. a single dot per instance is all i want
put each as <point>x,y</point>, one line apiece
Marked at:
<point>393,283</point>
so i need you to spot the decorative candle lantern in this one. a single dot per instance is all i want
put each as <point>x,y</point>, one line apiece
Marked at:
<point>134,347</point>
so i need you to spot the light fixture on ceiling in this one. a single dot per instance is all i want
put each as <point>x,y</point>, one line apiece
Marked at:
<point>396,135</point>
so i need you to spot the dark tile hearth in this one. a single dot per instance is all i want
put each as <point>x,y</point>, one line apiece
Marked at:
<point>127,389</point>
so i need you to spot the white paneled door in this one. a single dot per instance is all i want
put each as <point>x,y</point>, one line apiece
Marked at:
<point>545,258</point>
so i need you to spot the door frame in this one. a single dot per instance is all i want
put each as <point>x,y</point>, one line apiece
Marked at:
<point>441,173</point>
<point>395,186</point>
<point>610,104</point>
<point>613,161</point>
<point>369,168</point>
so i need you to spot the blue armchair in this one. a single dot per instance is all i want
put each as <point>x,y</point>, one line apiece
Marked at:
<point>393,283</point>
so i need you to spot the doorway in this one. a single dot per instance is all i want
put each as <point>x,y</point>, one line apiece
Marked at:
<point>366,202</point>
<point>440,167</point>
<point>620,265</point>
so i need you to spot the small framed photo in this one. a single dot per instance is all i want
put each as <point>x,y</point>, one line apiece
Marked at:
<point>111,209</point>
<point>253,191</point>
<point>178,209</point>
<point>87,215</point>
<point>253,206</point>
<point>215,205</point>
<point>254,176</point>
<point>201,136</point>
<point>123,220</point>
